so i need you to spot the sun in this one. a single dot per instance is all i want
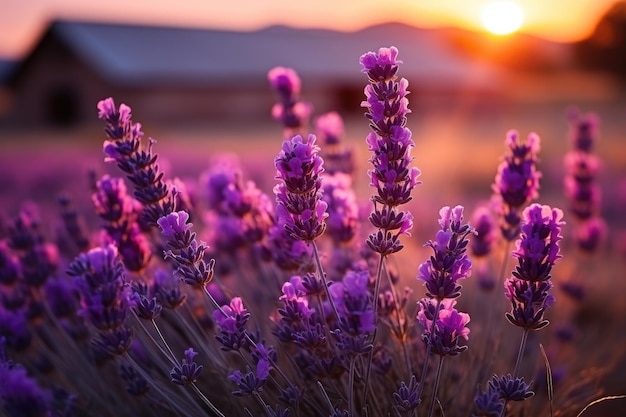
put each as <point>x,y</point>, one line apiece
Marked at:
<point>502,17</point>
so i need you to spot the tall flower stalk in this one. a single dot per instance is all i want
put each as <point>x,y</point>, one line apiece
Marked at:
<point>299,204</point>
<point>337,156</point>
<point>391,175</point>
<point>390,143</point>
<point>517,180</point>
<point>443,324</point>
<point>516,184</point>
<point>527,289</point>
<point>580,182</point>
<point>290,111</point>
<point>139,164</point>
<point>104,297</point>
<point>537,250</point>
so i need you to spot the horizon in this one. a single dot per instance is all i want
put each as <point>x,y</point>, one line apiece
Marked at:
<point>22,24</point>
<point>285,25</point>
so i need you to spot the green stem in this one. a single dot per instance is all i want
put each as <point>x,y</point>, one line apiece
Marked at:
<point>379,273</point>
<point>368,372</point>
<point>330,404</point>
<point>170,357</point>
<point>435,387</point>
<point>428,349</point>
<point>214,302</point>
<point>167,346</point>
<point>401,333</point>
<point>379,270</point>
<point>267,408</point>
<point>518,361</point>
<point>206,400</point>
<point>520,353</point>
<point>351,399</point>
<point>320,271</point>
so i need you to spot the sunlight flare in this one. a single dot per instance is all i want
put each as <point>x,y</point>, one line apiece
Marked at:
<point>502,17</point>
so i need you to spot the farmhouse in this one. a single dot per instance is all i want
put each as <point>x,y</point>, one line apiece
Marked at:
<point>183,75</point>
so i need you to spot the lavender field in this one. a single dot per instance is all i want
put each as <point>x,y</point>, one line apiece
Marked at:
<point>249,281</point>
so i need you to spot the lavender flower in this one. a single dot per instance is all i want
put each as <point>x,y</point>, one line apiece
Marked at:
<point>251,383</point>
<point>112,202</point>
<point>298,322</point>
<point>390,143</point>
<point>37,258</point>
<point>24,232</point>
<point>443,324</point>
<point>187,372</point>
<point>104,296</point>
<point>407,399</point>
<point>147,309</point>
<point>583,130</point>
<point>61,298</point>
<point>9,265</point>
<point>185,250</point>
<point>352,298</point>
<point>581,188</point>
<point>298,195</point>
<point>100,282</point>
<point>39,263</point>
<point>510,388</point>
<point>231,320</point>
<point>14,330</point>
<point>224,173</point>
<point>343,212</point>
<point>116,341</point>
<point>241,209</point>
<point>73,227</point>
<point>449,263</point>
<point>337,157</point>
<point>537,251</point>
<point>167,291</point>
<point>120,213</point>
<point>484,228</point>
<point>288,252</point>
<point>330,128</point>
<point>295,303</point>
<point>291,112</point>
<point>20,395</point>
<point>176,230</point>
<point>443,333</point>
<point>517,180</point>
<point>590,233</point>
<point>124,148</point>
<point>580,182</point>
<point>482,244</point>
<point>134,248</point>
<point>488,403</point>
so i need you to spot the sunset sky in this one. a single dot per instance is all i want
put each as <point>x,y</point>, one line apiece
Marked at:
<point>21,21</point>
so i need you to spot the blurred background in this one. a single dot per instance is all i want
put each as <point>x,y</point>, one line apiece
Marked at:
<point>195,74</point>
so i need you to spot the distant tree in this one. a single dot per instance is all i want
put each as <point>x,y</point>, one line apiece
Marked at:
<point>605,48</point>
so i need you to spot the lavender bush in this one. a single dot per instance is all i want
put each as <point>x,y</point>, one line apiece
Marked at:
<point>239,303</point>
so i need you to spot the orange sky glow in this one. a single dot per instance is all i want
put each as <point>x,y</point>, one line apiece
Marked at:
<point>21,22</point>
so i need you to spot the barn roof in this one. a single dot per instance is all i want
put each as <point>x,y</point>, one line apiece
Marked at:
<point>140,55</point>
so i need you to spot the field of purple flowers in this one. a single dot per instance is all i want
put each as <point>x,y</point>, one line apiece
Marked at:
<point>317,266</point>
